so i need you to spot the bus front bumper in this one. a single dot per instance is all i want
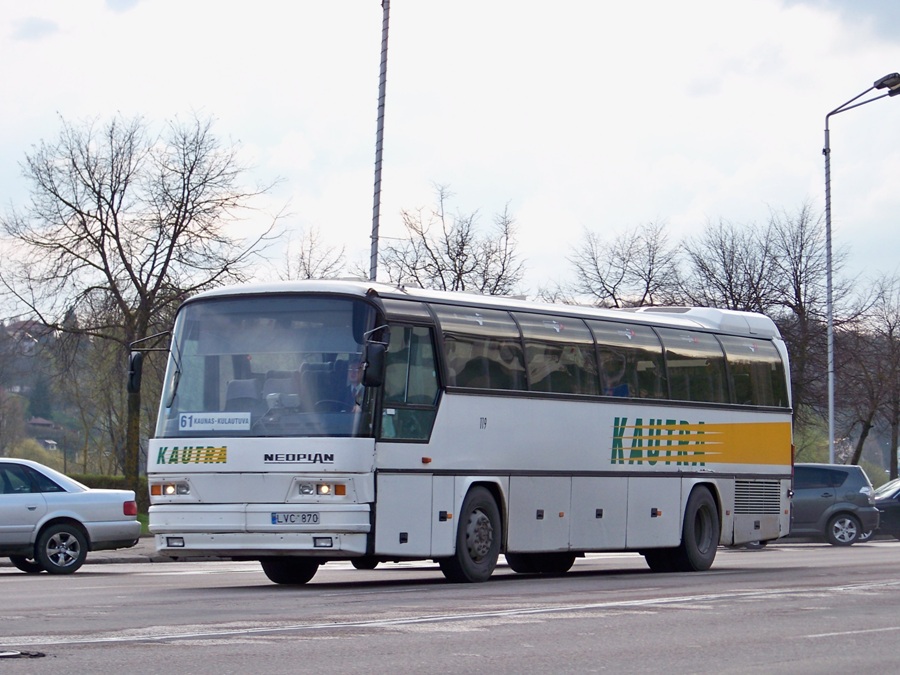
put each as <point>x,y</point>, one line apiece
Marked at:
<point>258,530</point>
<point>259,545</point>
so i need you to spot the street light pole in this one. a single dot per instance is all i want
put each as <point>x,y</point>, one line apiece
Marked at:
<point>892,84</point>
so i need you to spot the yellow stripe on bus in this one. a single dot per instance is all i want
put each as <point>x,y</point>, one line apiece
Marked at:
<point>680,444</point>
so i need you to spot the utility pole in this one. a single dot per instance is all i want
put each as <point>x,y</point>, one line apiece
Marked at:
<point>379,138</point>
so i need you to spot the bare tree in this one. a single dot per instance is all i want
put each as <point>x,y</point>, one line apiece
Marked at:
<point>309,258</point>
<point>799,265</point>
<point>446,252</point>
<point>865,387</point>
<point>730,267</point>
<point>11,420</point>
<point>634,269</point>
<point>121,226</point>
<point>870,376</point>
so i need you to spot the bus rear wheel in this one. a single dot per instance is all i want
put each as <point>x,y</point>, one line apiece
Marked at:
<point>478,539</point>
<point>551,564</point>
<point>661,560</point>
<point>700,533</point>
<point>287,570</point>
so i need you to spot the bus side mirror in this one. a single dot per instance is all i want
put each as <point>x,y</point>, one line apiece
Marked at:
<point>135,367</point>
<point>374,364</point>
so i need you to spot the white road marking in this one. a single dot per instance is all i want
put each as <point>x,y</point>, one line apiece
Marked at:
<point>211,631</point>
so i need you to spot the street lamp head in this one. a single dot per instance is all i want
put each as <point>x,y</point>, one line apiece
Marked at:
<point>891,82</point>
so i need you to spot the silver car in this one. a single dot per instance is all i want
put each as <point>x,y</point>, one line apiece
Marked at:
<point>49,522</point>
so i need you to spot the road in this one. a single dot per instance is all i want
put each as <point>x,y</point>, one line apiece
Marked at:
<point>792,608</point>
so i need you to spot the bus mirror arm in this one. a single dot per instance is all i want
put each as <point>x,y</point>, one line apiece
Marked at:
<point>136,360</point>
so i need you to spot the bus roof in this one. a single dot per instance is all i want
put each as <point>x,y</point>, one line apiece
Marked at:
<point>709,318</point>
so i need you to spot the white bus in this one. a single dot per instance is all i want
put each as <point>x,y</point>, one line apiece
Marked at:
<point>307,422</point>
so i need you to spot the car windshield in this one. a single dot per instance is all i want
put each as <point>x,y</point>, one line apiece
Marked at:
<point>888,489</point>
<point>275,365</point>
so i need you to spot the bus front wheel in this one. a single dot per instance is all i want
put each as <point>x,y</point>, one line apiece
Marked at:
<point>478,539</point>
<point>364,563</point>
<point>286,570</point>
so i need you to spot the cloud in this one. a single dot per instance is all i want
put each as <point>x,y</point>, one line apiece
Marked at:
<point>578,115</point>
<point>120,6</point>
<point>32,29</point>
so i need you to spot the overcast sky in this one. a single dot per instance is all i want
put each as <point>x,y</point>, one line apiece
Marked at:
<point>580,115</point>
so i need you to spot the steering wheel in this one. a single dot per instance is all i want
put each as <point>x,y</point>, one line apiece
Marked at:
<point>331,405</point>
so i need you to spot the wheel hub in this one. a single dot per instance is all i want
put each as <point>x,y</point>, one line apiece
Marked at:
<point>479,535</point>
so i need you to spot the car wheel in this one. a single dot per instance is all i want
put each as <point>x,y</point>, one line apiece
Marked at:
<point>27,565</point>
<point>865,536</point>
<point>843,530</point>
<point>61,549</point>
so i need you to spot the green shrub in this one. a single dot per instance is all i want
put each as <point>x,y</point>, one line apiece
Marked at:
<point>117,483</point>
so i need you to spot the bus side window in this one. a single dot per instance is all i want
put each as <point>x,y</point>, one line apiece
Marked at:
<point>695,363</point>
<point>484,350</point>
<point>560,354</point>
<point>757,371</point>
<point>630,360</point>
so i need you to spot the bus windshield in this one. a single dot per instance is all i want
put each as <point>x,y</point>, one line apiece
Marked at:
<point>275,365</point>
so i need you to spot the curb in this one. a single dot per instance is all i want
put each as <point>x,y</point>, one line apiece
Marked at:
<point>142,552</point>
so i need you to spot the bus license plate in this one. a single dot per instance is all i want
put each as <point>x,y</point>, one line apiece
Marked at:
<point>295,518</point>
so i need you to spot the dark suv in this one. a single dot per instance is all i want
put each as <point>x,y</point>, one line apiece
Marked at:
<point>833,501</point>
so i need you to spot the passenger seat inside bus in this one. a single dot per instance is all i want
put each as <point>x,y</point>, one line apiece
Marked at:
<point>281,390</point>
<point>242,396</point>
<point>314,383</point>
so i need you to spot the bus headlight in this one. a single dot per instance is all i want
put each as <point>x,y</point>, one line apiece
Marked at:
<point>323,489</point>
<point>170,489</point>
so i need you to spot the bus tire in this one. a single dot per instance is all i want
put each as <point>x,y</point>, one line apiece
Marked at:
<point>364,563</point>
<point>289,570</point>
<point>478,539</point>
<point>550,564</point>
<point>521,563</point>
<point>700,533</point>
<point>660,560</point>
